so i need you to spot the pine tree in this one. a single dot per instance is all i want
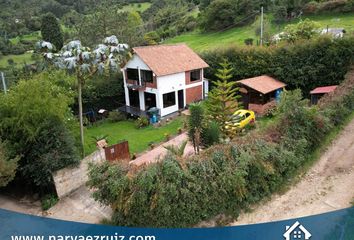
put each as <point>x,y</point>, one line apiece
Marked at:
<point>51,31</point>
<point>222,99</point>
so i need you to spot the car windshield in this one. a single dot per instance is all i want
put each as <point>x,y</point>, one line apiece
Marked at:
<point>237,118</point>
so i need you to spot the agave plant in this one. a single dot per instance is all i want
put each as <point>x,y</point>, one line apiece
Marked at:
<point>85,63</point>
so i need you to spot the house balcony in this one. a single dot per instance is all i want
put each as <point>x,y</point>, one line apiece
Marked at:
<point>136,85</point>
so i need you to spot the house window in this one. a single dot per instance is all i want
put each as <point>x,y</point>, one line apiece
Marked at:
<point>132,74</point>
<point>195,75</point>
<point>169,99</point>
<point>146,76</point>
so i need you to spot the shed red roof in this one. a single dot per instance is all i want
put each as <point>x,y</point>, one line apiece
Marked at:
<point>263,84</point>
<point>326,89</point>
<point>169,59</point>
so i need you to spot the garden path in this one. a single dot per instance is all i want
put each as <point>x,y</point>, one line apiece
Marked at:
<point>157,153</point>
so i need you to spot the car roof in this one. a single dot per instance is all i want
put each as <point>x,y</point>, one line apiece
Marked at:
<point>242,111</point>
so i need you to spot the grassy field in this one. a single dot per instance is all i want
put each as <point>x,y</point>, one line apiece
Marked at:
<point>204,41</point>
<point>141,7</point>
<point>139,139</point>
<point>19,59</point>
<point>28,37</point>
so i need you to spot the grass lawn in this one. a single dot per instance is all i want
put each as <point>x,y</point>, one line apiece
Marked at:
<point>125,130</point>
<point>205,41</point>
<point>35,36</point>
<point>19,59</point>
<point>136,7</point>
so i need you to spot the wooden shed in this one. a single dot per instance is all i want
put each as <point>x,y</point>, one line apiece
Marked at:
<point>317,93</point>
<point>259,93</point>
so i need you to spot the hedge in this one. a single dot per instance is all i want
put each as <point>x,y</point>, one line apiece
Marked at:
<point>303,65</point>
<point>224,179</point>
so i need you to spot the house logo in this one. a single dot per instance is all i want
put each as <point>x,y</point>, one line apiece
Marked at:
<point>296,231</point>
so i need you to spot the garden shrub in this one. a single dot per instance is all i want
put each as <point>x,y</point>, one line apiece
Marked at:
<point>8,165</point>
<point>116,116</point>
<point>142,122</point>
<point>211,134</point>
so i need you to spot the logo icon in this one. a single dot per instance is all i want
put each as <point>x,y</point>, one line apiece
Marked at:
<point>296,231</point>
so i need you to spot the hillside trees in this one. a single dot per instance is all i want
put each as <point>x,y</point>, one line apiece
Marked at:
<point>303,30</point>
<point>38,126</point>
<point>107,21</point>
<point>51,31</point>
<point>304,64</point>
<point>221,14</point>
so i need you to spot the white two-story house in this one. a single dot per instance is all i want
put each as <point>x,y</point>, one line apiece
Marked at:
<point>166,77</point>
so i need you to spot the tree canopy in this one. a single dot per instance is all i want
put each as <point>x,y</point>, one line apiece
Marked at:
<point>51,31</point>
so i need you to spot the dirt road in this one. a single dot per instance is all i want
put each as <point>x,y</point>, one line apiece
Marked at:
<point>327,186</point>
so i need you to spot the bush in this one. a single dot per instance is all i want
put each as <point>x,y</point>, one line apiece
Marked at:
<point>249,41</point>
<point>115,116</point>
<point>142,122</point>
<point>49,201</point>
<point>8,165</point>
<point>211,134</point>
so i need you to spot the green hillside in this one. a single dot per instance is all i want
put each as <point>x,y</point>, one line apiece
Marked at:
<point>204,41</point>
<point>141,7</point>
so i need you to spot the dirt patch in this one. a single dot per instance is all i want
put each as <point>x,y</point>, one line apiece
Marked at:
<point>327,186</point>
<point>22,205</point>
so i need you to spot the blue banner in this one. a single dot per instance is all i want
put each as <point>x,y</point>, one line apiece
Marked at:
<point>337,225</point>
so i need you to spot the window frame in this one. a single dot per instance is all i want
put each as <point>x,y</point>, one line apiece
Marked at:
<point>137,74</point>
<point>199,74</point>
<point>166,100</point>
<point>143,73</point>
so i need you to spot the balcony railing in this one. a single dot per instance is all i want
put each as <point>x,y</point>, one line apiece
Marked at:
<point>134,84</point>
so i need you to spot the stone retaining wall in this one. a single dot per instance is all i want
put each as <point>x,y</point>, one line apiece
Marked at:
<point>69,179</point>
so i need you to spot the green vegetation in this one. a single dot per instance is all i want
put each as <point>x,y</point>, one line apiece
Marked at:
<point>8,166</point>
<point>51,31</point>
<point>136,7</point>
<point>38,126</point>
<point>48,201</point>
<point>227,178</point>
<point>18,59</point>
<point>222,99</point>
<point>35,36</point>
<point>305,64</point>
<point>205,41</point>
<point>139,139</point>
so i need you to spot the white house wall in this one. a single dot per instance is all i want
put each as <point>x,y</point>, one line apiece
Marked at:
<point>167,84</point>
<point>136,63</point>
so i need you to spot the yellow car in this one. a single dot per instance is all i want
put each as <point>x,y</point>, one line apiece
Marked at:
<point>240,119</point>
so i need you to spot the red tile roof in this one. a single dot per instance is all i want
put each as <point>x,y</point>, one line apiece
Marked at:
<point>169,59</point>
<point>326,89</point>
<point>263,84</point>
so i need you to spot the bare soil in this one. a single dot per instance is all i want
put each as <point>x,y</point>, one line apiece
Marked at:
<point>327,186</point>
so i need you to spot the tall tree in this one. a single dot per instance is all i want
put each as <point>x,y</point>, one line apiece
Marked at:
<point>84,64</point>
<point>51,31</point>
<point>222,99</point>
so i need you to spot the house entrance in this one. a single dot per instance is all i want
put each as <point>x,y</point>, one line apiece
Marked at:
<point>180,99</point>
<point>150,100</point>
<point>134,98</point>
